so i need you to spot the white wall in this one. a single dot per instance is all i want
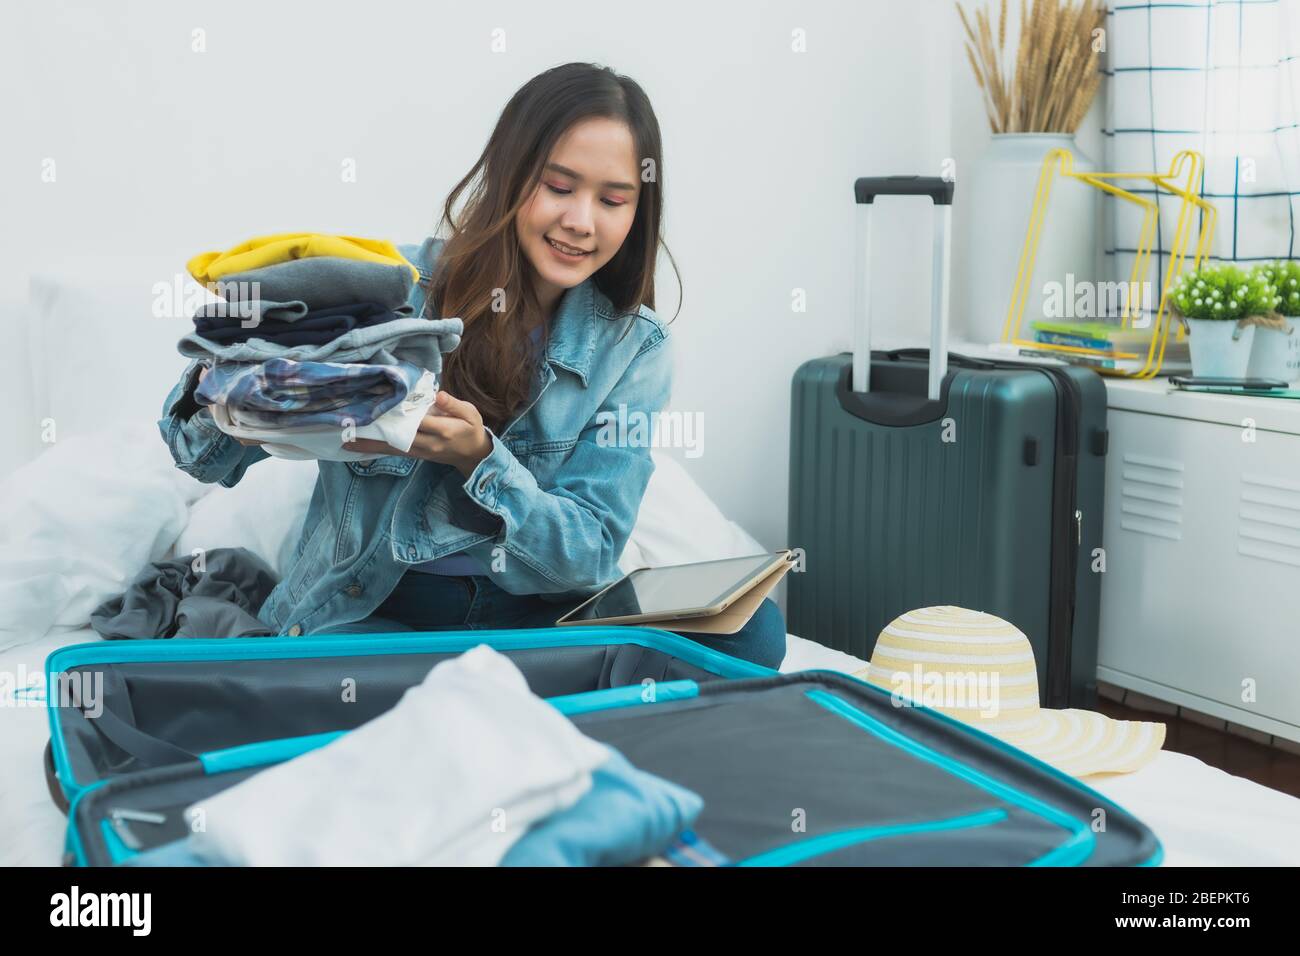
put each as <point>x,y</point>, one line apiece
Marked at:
<point>970,136</point>
<point>163,151</point>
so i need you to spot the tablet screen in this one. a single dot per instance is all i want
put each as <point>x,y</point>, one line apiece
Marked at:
<point>674,589</point>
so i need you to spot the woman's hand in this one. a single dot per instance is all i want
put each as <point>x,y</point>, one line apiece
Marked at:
<point>453,436</point>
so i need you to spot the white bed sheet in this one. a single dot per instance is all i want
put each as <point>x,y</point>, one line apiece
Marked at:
<point>31,826</point>
<point>1201,815</point>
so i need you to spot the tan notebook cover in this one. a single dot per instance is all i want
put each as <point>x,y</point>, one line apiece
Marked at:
<point>727,622</point>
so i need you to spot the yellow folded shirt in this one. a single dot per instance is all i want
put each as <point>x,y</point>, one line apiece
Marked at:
<point>269,250</point>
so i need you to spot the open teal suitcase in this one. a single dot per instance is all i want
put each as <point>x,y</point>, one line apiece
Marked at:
<point>810,768</point>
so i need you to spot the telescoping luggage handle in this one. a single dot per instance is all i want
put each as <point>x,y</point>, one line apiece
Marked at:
<point>940,190</point>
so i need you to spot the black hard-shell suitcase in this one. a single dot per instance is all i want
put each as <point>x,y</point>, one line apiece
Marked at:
<point>921,478</point>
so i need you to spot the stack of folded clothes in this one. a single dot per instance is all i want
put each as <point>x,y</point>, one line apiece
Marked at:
<point>313,343</point>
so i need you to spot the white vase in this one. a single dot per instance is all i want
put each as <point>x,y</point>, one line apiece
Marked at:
<point>1220,349</point>
<point>1275,354</point>
<point>993,203</point>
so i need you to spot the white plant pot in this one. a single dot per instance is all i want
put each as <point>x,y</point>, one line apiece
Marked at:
<point>992,207</point>
<point>1276,353</point>
<point>1219,348</point>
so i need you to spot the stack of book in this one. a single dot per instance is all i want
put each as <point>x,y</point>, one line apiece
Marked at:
<point>1111,346</point>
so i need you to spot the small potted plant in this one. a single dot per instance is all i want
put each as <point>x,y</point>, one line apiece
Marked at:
<point>1276,351</point>
<point>1220,305</point>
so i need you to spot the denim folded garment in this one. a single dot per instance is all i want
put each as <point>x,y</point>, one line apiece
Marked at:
<point>323,282</point>
<point>626,816</point>
<point>314,328</point>
<point>282,393</point>
<point>421,342</point>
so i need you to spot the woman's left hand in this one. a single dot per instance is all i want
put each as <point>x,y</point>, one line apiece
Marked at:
<point>455,437</point>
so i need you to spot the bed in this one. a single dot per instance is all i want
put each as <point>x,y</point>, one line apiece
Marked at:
<point>79,547</point>
<point>91,509</point>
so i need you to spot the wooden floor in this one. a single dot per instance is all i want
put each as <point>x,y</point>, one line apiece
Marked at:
<point>1262,763</point>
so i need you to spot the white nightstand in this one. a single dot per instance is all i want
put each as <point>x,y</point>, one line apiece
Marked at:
<point>1200,602</point>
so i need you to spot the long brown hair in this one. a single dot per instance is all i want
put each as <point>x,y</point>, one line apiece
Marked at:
<point>481,262</point>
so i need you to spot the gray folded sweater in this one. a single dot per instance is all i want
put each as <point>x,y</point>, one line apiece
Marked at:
<point>323,282</point>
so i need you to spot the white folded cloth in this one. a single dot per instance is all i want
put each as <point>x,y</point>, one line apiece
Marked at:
<point>451,776</point>
<point>398,427</point>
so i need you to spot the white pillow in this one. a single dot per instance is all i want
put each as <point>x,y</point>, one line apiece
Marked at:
<point>263,513</point>
<point>679,523</point>
<point>631,558</point>
<point>89,319</point>
<point>80,521</point>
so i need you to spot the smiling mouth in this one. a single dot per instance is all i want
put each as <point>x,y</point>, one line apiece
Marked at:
<point>568,250</point>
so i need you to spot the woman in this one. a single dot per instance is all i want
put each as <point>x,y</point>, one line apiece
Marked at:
<point>513,505</point>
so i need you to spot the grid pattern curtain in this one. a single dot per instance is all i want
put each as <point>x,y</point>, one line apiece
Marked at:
<point>1220,77</point>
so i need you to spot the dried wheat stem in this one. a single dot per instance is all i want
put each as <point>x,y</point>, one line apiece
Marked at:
<point>1048,82</point>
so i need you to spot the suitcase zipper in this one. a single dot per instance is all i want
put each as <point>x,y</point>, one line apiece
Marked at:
<point>1064,562</point>
<point>118,818</point>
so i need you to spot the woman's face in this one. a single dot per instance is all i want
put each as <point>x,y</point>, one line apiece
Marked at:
<point>586,201</point>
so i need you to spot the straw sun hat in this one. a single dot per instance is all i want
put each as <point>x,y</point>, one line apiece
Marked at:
<point>980,669</point>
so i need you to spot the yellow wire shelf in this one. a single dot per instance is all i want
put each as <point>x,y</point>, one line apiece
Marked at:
<point>1187,167</point>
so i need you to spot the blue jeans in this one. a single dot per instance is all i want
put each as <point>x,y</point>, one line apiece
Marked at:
<point>438,602</point>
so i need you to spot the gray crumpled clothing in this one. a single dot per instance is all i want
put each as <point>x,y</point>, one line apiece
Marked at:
<point>323,282</point>
<point>170,599</point>
<point>421,342</point>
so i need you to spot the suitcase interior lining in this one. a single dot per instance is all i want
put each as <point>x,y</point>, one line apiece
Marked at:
<point>198,708</point>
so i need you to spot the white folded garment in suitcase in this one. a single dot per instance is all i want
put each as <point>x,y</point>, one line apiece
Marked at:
<point>451,776</point>
<point>397,427</point>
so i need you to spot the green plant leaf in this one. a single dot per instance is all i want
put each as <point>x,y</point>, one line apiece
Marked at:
<point>1228,293</point>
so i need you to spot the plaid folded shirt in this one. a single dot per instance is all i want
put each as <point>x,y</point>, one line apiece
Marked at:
<point>282,393</point>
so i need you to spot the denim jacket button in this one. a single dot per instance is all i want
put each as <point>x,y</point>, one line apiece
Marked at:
<point>411,552</point>
<point>295,630</point>
<point>354,590</point>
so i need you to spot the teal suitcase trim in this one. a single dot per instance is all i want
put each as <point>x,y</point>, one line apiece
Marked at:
<point>285,648</point>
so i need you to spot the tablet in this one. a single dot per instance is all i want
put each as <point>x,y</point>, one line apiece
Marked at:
<point>677,591</point>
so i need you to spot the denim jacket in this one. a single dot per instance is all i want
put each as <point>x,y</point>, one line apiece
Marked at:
<point>549,509</point>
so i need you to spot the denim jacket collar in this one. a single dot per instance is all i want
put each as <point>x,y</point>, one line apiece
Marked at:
<point>573,330</point>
